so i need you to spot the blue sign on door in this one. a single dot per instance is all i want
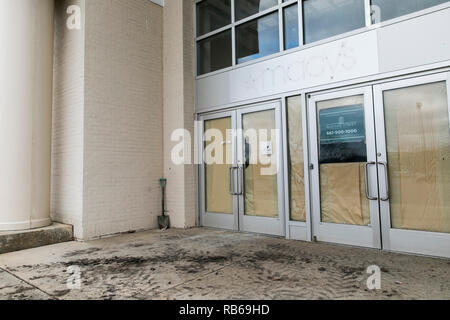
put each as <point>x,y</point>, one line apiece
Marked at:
<point>342,134</point>
<point>342,125</point>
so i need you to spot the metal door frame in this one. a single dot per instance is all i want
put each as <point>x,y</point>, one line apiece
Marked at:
<point>214,219</point>
<point>363,236</point>
<point>411,241</point>
<point>238,221</point>
<point>271,226</point>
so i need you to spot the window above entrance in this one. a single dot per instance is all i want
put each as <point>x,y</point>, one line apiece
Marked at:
<point>234,32</point>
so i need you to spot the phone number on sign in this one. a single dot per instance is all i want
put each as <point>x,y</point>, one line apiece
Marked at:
<point>340,132</point>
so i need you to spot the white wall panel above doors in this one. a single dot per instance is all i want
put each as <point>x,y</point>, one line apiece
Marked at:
<point>415,42</point>
<point>344,59</point>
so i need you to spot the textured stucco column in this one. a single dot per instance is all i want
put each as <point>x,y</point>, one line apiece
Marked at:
<point>179,108</point>
<point>26,58</point>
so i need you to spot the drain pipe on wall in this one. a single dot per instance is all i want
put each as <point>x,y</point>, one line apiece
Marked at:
<point>163,220</point>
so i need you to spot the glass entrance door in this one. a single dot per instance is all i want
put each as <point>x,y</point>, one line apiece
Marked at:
<point>380,166</point>
<point>241,175</point>
<point>345,206</point>
<point>261,208</point>
<point>219,205</point>
<point>413,141</point>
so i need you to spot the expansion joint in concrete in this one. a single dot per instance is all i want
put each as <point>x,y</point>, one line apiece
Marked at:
<point>28,283</point>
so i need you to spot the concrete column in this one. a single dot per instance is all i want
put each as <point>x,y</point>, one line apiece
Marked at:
<point>179,109</point>
<point>26,71</point>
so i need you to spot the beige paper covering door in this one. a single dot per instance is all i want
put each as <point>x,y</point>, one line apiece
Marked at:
<point>260,193</point>
<point>418,144</point>
<point>342,185</point>
<point>218,198</point>
<point>296,161</point>
<point>343,198</point>
<point>261,190</point>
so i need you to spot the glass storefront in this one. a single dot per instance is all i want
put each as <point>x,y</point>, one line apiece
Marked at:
<point>380,160</point>
<point>418,146</point>
<point>365,165</point>
<point>258,28</point>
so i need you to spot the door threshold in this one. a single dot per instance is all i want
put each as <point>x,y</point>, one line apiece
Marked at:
<point>245,232</point>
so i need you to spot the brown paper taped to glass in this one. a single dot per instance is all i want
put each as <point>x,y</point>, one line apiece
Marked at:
<point>343,198</point>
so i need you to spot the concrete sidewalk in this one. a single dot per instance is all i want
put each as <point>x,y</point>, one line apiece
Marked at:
<point>209,264</point>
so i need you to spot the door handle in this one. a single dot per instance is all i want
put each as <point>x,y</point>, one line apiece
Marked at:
<point>231,181</point>
<point>366,178</point>
<point>239,180</point>
<point>386,172</point>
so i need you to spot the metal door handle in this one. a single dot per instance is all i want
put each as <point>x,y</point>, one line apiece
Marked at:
<point>241,180</point>
<point>386,172</point>
<point>366,177</point>
<point>231,181</point>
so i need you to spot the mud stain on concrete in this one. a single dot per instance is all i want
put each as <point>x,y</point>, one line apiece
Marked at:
<point>223,265</point>
<point>75,253</point>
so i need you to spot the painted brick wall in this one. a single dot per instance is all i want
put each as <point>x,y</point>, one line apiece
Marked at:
<point>68,120</point>
<point>123,157</point>
<point>120,91</point>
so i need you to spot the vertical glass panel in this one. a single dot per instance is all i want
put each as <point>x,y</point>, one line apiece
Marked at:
<point>343,152</point>
<point>291,36</point>
<point>418,144</point>
<point>246,8</point>
<point>214,53</point>
<point>257,38</point>
<point>296,160</point>
<point>261,164</point>
<point>326,18</point>
<point>212,15</point>
<point>388,9</point>
<point>218,198</point>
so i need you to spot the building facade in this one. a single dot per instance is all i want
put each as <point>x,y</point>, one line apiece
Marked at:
<point>119,75</point>
<point>359,91</point>
<point>314,120</point>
